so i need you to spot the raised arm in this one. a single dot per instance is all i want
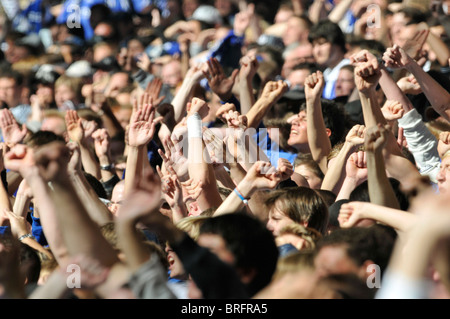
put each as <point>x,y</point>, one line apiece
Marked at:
<point>200,164</point>
<point>77,134</point>
<point>318,139</point>
<point>396,57</point>
<point>140,133</point>
<point>380,189</point>
<point>249,66</point>
<point>272,92</point>
<point>335,175</point>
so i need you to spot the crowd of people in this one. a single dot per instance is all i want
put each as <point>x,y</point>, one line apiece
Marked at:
<point>225,149</point>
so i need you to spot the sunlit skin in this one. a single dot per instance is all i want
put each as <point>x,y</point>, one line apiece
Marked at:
<point>334,260</point>
<point>277,221</point>
<point>443,177</point>
<point>298,137</point>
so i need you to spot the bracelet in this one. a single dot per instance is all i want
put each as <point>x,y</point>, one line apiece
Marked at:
<point>26,236</point>
<point>244,200</point>
<point>107,167</point>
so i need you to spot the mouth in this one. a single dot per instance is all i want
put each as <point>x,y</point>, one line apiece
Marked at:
<point>294,132</point>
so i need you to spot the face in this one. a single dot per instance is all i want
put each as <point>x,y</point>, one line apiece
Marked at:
<point>295,31</point>
<point>334,260</point>
<point>313,180</point>
<point>283,15</point>
<point>277,221</point>
<point>64,93</point>
<point>123,115</point>
<point>116,82</point>
<point>297,78</point>
<point>171,74</point>
<point>298,138</point>
<point>324,52</point>
<point>117,197</point>
<point>54,124</point>
<point>443,176</point>
<point>398,22</point>
<point>345,83</point>
<point>45,93</point>
<point>217,245</point>
<point>175,265</point>
<point>9,92</point>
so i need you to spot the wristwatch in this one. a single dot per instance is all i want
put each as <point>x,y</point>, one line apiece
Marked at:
<point>107,167</point>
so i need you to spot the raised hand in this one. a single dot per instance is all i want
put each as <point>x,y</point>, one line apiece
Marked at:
<point>367,71</point>
<point>143,198</point>
<point>198,106</point>
<point>218,81</point>
<point>75,129</point>
<point>173,157</point>
<point>223,110</point>
<point>314,85</point>
<point>274,90</point>
<point>171,187</point>
<point>444,143</point>
<point>101,143</point>
<point>356,167</point>
<point>249,66</point>
<point>20,159</point>
<point>376,138</point>
<point>74,164</point>
<point>142,123</point>
<point>262,175</point>
<point>409,85</point>
<point>392,110</point>
<point>153,90</point>
<point>12,132</point>
<point>351,214</point>
<point>285,168</point>
<point>395,57</point>
<point>52,161</point>
<point>356,135</point>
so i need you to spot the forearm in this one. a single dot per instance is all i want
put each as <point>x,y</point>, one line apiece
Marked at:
<point>80,233</point>
<point>438,97</point>
<point>398,219</point>
<point>106,175</point>
<point>393,92</point>
<point>373,116</point>
<point>132,167</point>
<point>90,165</point>
<point>257,112</point>
<point>136,252</point>
<point>335,174</point>
<point>233,202</point>
<point>199,166</point>
<point>54,288</point>
<point>339,11</point>
<point>181,98</point>
<point>318,140</point>
<point>98,211</point>
<point>380,189</point>
<point>21,205</point>
<point>246,97</point>
<point>347,188</point>
<point>439,48</point>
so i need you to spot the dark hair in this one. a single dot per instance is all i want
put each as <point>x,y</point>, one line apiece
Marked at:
<point>373,243</point>
<point>335,119</point>
<point>96,185</point>
<point>12,74</point>
<point>301,204</point>
<point>251,243</point>
<point>40,138</point>
<point>361,193</point>
<point>330,31</point>
<point>414,15</point>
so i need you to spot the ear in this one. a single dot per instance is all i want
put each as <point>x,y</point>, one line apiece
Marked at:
<point>246,274</point>
<point>188,106</point>
<point>328,132</point>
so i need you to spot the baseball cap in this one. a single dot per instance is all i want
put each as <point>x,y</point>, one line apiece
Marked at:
<point>208,14</point>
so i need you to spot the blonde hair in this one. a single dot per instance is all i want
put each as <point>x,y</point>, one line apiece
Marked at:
<point>302,260</point>
<point>191,225</point>
<point>310,235</point>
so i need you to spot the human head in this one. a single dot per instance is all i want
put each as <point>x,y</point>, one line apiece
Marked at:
<point>171,74</point>
<point>328,42</point>
<point>352,250</point>
<point>443,177</point>
<point>244,242</point>
<point>53,121</point>
<point>306,166</point>
<point>117,81</point>
<point>300,205</point>
<point>299,73</point>
<point>297,30</point>
<point>68,89</point>
<point>11,86</point>
<point>345,83</point>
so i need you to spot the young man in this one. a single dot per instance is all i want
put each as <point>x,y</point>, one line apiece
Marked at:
<point>328,43</point>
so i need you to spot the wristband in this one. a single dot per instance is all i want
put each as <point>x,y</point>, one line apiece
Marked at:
<point>244,200</point>
<point>106,167</point>
<point>26,236</point>
<point>194,125</point>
